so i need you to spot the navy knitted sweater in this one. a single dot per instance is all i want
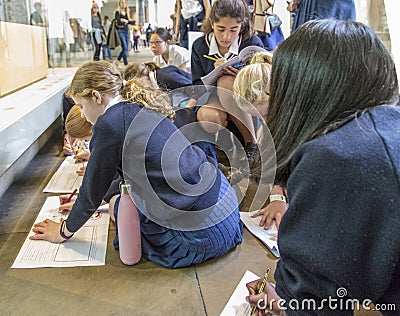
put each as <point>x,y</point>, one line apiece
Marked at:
<point>106,159</point>
<point>341,229</point>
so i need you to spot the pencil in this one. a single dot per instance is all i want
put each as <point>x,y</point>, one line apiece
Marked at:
<point>261,289</point>
<point>79,150</point>
<point>70,196</point>
<point>210,58</point>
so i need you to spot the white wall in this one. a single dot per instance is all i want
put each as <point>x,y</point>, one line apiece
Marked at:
<point>392,14</point>
<point>165,8</point>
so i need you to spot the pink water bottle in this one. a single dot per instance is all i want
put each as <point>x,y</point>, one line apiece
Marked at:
<point>130,244</point>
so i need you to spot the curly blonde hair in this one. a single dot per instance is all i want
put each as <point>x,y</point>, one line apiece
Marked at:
<point>143,92</point>
<point>251,83</point>
<point>139,70</point>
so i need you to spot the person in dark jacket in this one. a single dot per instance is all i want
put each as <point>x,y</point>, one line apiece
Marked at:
<point>338,154</point>
<point>306,10</point>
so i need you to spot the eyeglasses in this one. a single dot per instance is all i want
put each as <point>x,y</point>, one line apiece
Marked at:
<point>156,43</point>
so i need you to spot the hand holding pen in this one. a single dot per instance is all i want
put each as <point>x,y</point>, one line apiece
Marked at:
<point>83,153</point>
<point>261,293</point>
<point>66,202</point>
<point>217,61</point>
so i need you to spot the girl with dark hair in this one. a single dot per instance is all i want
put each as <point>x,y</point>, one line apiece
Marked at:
<point>226,32</point>
<point>335,119</point>
<point>165,53</point>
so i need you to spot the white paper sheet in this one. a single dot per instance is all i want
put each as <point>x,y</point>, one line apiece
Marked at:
<point>65,180</point>
<point>267,236</point>
<point>237,305</point>
<point>87,247</point>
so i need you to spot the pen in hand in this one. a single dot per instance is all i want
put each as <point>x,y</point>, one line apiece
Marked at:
<point>78,152</point>
<point>69,198</point>
<point>261,289</point>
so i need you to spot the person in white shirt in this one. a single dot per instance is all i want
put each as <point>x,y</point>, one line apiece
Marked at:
<point>189,17</point>
<point>166,53</point>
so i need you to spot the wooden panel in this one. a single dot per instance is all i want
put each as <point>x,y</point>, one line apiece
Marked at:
<point>23,56</point>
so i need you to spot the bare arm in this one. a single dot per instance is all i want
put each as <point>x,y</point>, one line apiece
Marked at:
<point>178,18</point>
<point>207,8</point>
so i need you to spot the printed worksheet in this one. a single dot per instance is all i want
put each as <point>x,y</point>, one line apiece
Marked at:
<point>65,180</point>
<point>237,305</point>
<point>87,247</point>
<point>268,237</point>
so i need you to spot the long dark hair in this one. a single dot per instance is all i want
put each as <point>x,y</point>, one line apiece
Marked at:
<point>325,74</point>
<point>236,9</point>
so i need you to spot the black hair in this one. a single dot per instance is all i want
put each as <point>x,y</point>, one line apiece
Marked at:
<point>163,33</point>
<point>325,74</point>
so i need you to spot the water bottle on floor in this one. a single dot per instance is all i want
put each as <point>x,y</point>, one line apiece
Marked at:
<point>130,245</point>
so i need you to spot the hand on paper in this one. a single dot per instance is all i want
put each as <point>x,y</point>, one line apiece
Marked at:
<point>273,211</point>
<point>67,149</point>
<point>47,230</point>
<point>263,300</point>
<point>66,207</point>
<point>82,155</point>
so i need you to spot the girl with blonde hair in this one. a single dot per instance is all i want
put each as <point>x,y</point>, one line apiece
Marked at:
<point>80,130</point>
<point>251,92</point>
<point>251,85</point>
<point>188,211</point>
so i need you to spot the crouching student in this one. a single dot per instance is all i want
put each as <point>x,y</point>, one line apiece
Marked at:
<point>335,119</point>
<point>174,172</point>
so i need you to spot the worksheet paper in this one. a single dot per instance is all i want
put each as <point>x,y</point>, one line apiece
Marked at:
<point>237,305</point>
<point>268,237</point>
<point>87,247</point>
<point>65,180</point>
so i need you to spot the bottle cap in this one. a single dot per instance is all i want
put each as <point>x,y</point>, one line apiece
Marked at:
<point>125,187</point>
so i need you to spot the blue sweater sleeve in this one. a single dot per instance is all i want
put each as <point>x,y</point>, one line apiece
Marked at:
<point>105,158</point>
<point>171,77</point>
